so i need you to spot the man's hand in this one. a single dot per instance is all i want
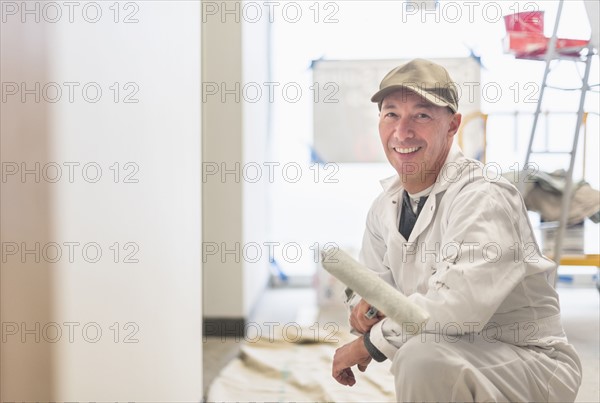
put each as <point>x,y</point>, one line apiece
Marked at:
<point>359,321</point>
<point>354,353</point>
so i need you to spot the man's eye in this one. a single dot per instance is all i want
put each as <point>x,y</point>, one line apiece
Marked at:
<point>422,116</point>
<point>390,115</point>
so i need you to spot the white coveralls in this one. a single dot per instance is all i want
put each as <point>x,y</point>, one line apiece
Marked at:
<point>473,264</point>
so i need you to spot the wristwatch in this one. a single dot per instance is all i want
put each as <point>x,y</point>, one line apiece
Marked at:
<point>373,351</point>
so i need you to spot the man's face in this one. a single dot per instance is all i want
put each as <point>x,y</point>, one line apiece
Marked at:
<point>416,136</point>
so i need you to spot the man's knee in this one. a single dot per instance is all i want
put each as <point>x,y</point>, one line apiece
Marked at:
<point>426,368</point>
<point>420,358</point>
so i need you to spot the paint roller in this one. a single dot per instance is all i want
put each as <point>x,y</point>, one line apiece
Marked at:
<point>371,288</point>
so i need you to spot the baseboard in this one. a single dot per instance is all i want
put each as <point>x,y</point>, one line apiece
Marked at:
<point>223,327</point>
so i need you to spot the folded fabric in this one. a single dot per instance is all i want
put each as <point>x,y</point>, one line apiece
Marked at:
<point>543,193</point>
<point>276,370</point>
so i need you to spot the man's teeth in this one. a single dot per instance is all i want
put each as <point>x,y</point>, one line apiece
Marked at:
<point>406,150</point>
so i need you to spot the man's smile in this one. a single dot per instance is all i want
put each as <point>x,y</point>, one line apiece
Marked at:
<point>406,150</point>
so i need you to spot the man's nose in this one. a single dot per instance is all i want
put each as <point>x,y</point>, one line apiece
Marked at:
<point>403,129</point>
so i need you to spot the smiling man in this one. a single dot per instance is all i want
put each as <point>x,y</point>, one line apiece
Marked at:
<point>460,246</point>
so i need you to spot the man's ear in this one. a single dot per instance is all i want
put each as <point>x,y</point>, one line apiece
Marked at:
<point>454,124</point>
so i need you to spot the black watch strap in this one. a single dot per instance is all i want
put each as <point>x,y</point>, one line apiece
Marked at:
<point>373,351</point>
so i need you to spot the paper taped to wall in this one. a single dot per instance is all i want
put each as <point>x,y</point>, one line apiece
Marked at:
<point>372,289</point>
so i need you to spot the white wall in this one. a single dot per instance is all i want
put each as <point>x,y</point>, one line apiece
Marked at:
<point>156,300</point>
<point>255,143</point>
<point>221,144</point>
<point>234,132</point>
<point>26,290</point>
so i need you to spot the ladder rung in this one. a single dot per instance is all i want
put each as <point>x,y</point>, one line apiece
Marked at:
<point>564,89</point>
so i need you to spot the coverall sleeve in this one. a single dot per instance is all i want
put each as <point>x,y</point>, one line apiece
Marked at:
<point>467,286</point>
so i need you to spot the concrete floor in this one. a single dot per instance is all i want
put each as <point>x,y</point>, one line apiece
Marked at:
<point>581,320</point>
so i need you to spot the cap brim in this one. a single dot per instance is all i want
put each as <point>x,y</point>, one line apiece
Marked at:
<point>431,98</point>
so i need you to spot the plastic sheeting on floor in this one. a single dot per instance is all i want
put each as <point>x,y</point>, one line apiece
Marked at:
<point>283,371</point>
